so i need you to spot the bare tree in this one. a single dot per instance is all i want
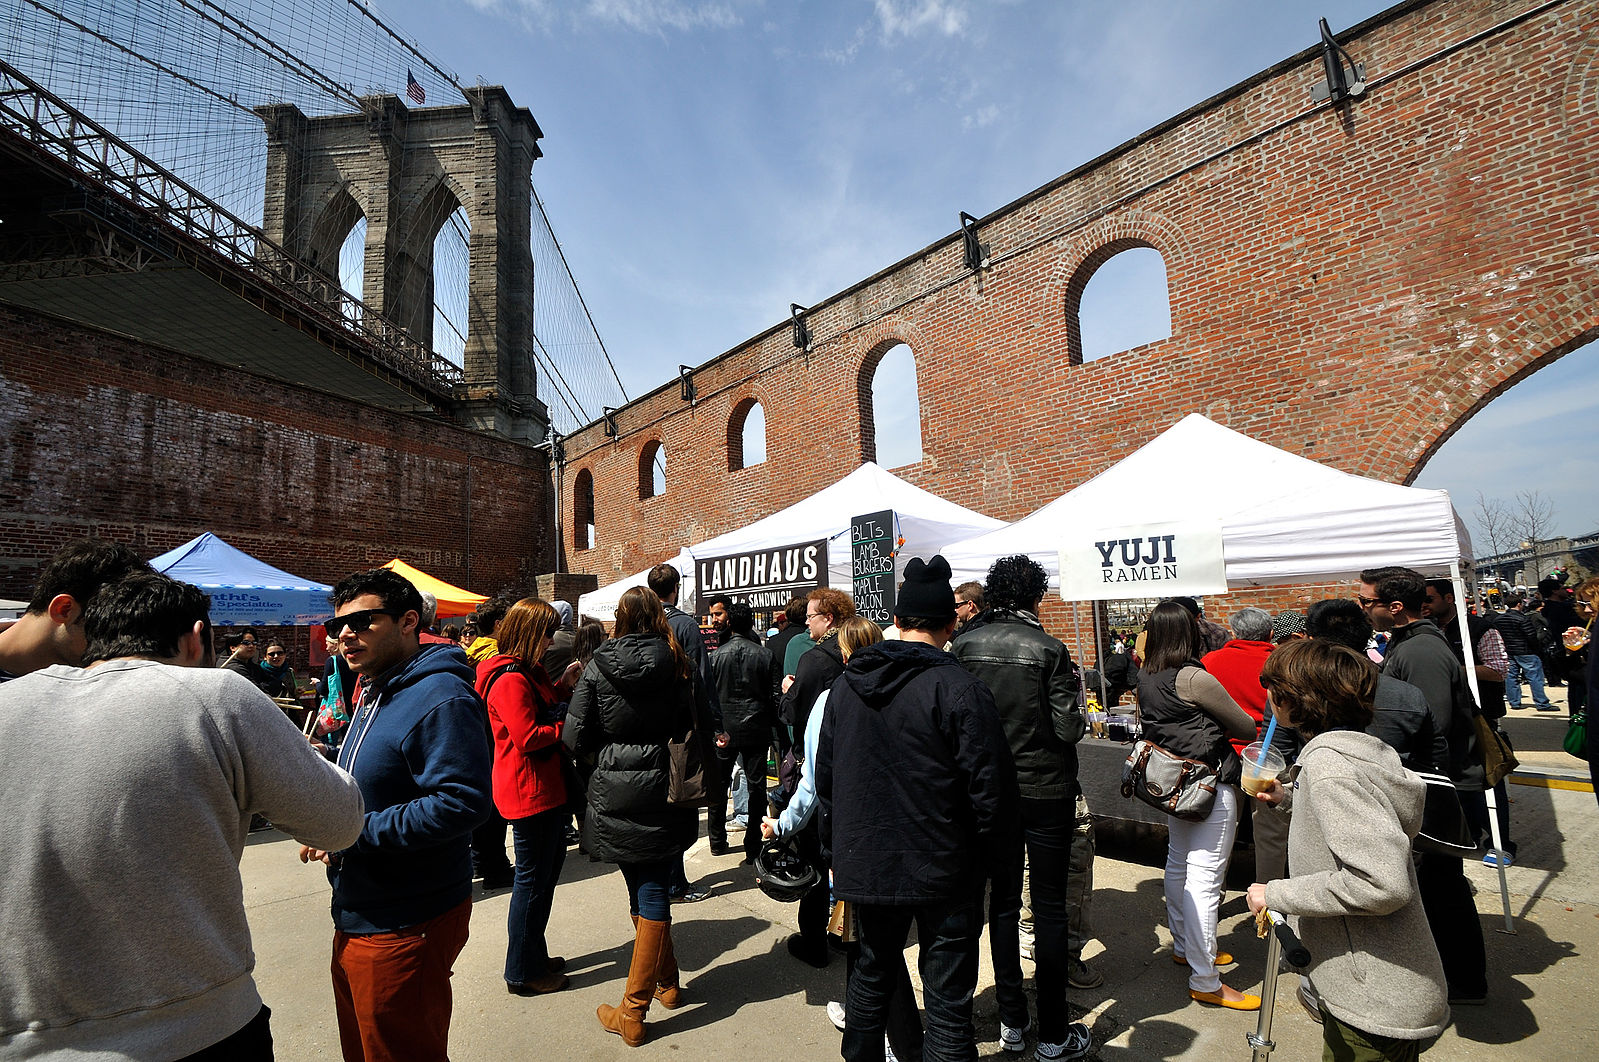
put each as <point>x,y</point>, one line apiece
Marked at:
<point>1494,520</point>
<point>1532,520</point>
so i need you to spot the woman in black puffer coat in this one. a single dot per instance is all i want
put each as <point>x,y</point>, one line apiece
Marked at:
<point>635,694</point>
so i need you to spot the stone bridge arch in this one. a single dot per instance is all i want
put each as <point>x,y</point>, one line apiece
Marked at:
<point>406,170</point>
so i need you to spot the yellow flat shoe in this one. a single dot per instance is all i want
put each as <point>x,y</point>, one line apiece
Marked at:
<point>1249,1002</point>
<point>1222,959</point>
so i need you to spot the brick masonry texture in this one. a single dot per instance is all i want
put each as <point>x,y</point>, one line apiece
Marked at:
<point>1350,283</point>
<point>100,435</point>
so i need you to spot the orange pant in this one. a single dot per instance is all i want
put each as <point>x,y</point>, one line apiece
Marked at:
<point>391,991</point>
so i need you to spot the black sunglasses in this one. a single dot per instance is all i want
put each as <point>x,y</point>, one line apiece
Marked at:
<point>357,621</point>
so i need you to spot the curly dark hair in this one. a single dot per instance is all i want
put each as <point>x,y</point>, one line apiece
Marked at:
<point>144,614</point>
<point>393,589</point>
<point>1016,583</point>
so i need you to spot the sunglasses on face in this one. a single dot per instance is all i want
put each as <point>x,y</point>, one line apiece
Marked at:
<point>276,653</point>
<point>358,622</point>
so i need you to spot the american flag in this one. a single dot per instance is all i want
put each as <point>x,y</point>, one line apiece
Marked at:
<point>413,88</point>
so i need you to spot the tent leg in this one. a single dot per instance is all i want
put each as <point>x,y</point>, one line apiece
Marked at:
<point>1499,857</point>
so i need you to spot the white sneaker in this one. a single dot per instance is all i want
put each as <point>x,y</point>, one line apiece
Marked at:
<point>835,1014</point>
<point>1077,1044</point>
<point>1013,1039</point>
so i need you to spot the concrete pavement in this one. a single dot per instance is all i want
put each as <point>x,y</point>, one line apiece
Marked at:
<point>749,999</point>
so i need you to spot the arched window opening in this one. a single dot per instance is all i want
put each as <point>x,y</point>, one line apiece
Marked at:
<point>352,260</point>
<point>891,414</point>
<point>746,435</point>
<point>652,470</point>
<point>1119,300</point>
<point>583,510</point>
<point>451,264</point>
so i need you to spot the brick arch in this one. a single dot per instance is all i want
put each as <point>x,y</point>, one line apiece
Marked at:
<point>1103,241</point>
<point>736,419</point>
<point>646,468</point>
<point>1461,388</point>
<point>874,343</point>
<point>583,509</point>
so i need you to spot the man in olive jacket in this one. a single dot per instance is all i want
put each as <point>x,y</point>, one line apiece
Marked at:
<point>917,791</point>
<point>1035,691</point>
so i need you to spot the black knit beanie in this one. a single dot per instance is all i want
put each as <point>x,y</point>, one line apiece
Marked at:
<point>926,593</point>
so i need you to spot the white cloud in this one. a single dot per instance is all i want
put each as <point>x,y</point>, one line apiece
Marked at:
<point>641,16</point>
<point>948,17</point>
<point>982,118</point>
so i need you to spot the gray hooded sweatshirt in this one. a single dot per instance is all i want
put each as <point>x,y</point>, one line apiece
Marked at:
<point>1355,810</point>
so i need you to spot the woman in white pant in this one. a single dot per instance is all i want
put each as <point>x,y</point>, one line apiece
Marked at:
<point>1187,712</point>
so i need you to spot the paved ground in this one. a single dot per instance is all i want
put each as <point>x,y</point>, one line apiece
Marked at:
<point>750,999</point>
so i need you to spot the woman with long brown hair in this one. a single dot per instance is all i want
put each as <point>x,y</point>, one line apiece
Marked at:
<point>529,790</point>
<point>1188,713</point>
<point>637,692</point>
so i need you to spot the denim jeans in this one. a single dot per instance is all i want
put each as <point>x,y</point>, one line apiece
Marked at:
<point>948,931</point>
<point>905,1034</point>
<point>648,885</point>
<point>1531,666</point>
<point>540,845</point>
<point>1047,834</point>
<point>753,759</point>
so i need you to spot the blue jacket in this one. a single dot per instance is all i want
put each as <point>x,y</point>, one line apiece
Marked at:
<point>420,753</point>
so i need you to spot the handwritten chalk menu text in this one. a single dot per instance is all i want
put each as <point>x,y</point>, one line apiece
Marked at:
<point>763,579</point>
<point>871,552</point>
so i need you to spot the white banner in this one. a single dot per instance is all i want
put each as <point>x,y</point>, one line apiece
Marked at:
<point>1146,560</point>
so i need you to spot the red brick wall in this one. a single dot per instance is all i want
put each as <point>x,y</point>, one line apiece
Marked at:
<point>105,436</point>
<point>1350,284</point>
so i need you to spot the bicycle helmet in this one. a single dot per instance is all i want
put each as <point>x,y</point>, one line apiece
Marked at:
<point>782,873</point>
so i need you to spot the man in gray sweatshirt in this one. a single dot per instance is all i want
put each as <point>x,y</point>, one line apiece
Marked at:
<point>125,801</point>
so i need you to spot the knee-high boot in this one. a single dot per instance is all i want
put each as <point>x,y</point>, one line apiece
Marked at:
<point>627,1020</point>
<point>667,992</point>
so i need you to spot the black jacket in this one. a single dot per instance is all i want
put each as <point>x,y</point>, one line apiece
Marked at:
<point>1418,654</point>
<point>814,673</point>
<point>917,787</point>
<point>1493,693</point>
<point>1519,632</point>
<point>743,670</point>
<point>1034,685</point>
<point>777,647</point>
<point>1182,728</point>
<point>627,703</point>
<point>1403,722</point>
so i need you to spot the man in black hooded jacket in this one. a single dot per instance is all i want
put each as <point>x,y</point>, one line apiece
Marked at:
<point>918,795</point>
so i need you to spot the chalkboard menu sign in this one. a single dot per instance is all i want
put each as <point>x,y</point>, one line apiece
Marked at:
<point>871,551</point>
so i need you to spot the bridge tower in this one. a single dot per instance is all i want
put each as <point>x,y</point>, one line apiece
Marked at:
<point>406,171</point>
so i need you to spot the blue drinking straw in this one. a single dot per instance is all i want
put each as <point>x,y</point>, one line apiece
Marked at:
<point>1271,728</point>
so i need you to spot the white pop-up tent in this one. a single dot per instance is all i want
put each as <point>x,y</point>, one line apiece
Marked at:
<point>923,519</point>
<point>1283,518</point>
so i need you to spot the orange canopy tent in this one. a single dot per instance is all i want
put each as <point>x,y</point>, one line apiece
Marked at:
<point>453,601</point>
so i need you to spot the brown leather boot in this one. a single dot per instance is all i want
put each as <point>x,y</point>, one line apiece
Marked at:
<point>666,988</point>
<point>627,1020</point>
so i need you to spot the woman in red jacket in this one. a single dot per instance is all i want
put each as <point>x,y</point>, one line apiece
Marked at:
<point>526,713</point>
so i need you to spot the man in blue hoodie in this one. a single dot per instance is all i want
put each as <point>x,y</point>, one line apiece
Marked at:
<point>402,894</point>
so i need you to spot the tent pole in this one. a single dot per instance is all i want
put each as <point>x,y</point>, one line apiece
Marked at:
<point>1469,651</point>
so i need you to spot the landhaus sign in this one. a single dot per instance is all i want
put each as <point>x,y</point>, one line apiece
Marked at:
<point>1143,560</point>
<point>763,579</point>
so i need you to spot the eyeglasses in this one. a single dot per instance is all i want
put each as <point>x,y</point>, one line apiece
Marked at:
<point>358,622</point>
<point>278,653</point>
<point>1367,602</point>
<point>814,615</point>
<point>248,641</point>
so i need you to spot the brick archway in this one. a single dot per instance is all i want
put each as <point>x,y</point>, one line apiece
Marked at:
<point>1099,244</point>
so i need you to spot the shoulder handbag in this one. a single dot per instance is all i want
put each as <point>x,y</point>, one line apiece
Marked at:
<point>1576,740</point>
<point>1498,757</point>
<point>1444,829</point>
<point>1167,782</point>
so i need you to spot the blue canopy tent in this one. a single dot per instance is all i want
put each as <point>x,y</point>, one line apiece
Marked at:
<point>245,591</point>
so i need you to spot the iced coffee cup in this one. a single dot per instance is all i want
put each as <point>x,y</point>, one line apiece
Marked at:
<point>1259,771</point>
<point>1574,638</point>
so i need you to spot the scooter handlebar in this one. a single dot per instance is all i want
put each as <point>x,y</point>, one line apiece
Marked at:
<point>1294,951</point>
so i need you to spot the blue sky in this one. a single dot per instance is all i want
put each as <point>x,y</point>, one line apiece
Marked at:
<point>708,163</point>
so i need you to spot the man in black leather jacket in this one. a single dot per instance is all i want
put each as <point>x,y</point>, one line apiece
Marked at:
<point>743,672</point>
<point>1035,689</point>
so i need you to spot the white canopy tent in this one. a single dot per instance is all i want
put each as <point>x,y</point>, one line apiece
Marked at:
<point>1284,518</point>
<point>924,520</point>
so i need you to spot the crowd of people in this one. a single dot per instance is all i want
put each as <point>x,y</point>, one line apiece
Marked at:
<point>920,770</point>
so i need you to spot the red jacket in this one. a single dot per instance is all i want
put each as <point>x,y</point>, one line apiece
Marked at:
<point>527,765</point>
<point>1236,666</point>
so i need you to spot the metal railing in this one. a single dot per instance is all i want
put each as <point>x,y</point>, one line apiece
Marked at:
<point>34,114</point>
